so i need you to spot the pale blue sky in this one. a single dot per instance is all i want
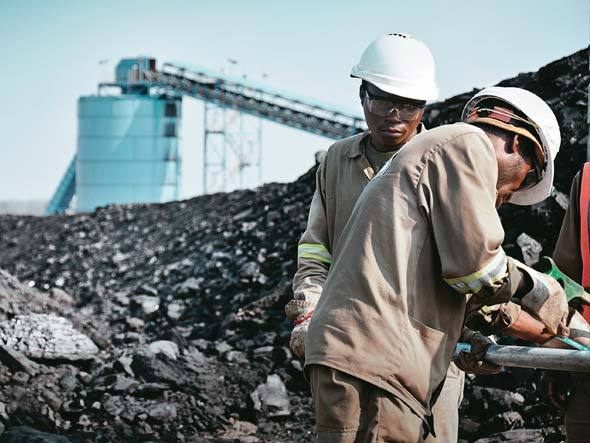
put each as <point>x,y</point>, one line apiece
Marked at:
<point>50,51</point>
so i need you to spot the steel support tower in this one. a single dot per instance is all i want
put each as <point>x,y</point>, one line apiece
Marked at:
<point>232,150</point>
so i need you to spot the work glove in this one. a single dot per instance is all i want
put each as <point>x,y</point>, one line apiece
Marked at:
<point>579,328</point>
<point>472,362</point>
<point>546,301</point>
<point>559,386</point>
<point>299,312</point>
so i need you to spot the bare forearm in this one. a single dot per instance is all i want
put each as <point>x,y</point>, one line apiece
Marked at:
<point>528,328</point>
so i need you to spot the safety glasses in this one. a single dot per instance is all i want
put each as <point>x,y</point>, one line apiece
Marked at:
<point>533,177</point>
<point>383,107</point>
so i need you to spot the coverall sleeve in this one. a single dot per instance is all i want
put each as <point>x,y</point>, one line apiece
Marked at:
<point>567,253</point>
<point>314,252</point>
<point>458,185</point>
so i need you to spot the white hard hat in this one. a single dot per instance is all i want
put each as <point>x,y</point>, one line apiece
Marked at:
<point>544,123</point>
<point>399,64</point>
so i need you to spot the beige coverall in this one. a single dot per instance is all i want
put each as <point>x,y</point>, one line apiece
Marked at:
<point>340,179</point>
<point>423,234</point>
<point>568,258</point>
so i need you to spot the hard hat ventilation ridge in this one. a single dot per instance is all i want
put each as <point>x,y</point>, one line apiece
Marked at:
<point>397,34</point>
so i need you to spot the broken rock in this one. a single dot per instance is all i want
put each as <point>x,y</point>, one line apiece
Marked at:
<point>146,305</point>
<point>163,412</point>
<point>16,361</point>
<point>46,337</point>
<point>496,398</point>
<point>272,397</point>
<point>531,248</point>
<point>166,347</point>
<point>515,436</point>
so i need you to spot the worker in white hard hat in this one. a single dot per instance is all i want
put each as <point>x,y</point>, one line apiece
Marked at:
<point>423,238</point>
<point>502,110</point>
<point>398,78</point>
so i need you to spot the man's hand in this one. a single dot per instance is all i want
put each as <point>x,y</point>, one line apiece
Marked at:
<point>472,362</point>
<point>299,312</point>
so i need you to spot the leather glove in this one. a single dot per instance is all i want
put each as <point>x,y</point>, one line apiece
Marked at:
<point>298,336</point>
<point>299,312</point>
<point>546,301</point>
<point>579,328</point>
<point>472,362</point>
<point>558,385</point>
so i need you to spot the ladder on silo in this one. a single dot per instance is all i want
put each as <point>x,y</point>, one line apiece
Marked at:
<point>64,192</point>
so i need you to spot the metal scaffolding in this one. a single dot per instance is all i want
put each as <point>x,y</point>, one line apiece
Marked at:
<point>232,154</point>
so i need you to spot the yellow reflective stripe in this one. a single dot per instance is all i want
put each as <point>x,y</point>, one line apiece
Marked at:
<point>490,274</point>
<point>316,251</point>
<point>313,246</point>
<point>315,257</point>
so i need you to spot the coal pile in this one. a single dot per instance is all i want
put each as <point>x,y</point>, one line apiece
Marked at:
<point>183,303</point>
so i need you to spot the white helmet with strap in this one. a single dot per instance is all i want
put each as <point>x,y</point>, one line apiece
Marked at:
<point>399,64</point>
<point>537,122</point>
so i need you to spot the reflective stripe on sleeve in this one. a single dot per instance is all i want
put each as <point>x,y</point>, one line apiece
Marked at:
<point>490,274</point>
<point>314,251</point>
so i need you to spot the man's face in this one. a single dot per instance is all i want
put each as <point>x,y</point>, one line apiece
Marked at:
<point>391,130</point>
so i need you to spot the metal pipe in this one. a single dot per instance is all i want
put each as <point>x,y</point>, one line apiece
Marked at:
<point>540,358</point>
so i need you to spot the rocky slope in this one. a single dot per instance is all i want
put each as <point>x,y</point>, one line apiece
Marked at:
<point>184,302</point>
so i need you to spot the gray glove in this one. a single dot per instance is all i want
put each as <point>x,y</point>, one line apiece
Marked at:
<point>472,362</point>
<point>546,301</point>
<point>299,312</point>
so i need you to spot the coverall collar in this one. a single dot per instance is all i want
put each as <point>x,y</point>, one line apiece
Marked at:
<point>356,150</point>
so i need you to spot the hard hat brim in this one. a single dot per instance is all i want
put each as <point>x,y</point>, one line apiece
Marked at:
<point>537,193</point>
<point>402,90</point>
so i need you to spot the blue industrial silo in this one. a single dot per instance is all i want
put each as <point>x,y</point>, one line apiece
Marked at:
<point>128,147</point>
